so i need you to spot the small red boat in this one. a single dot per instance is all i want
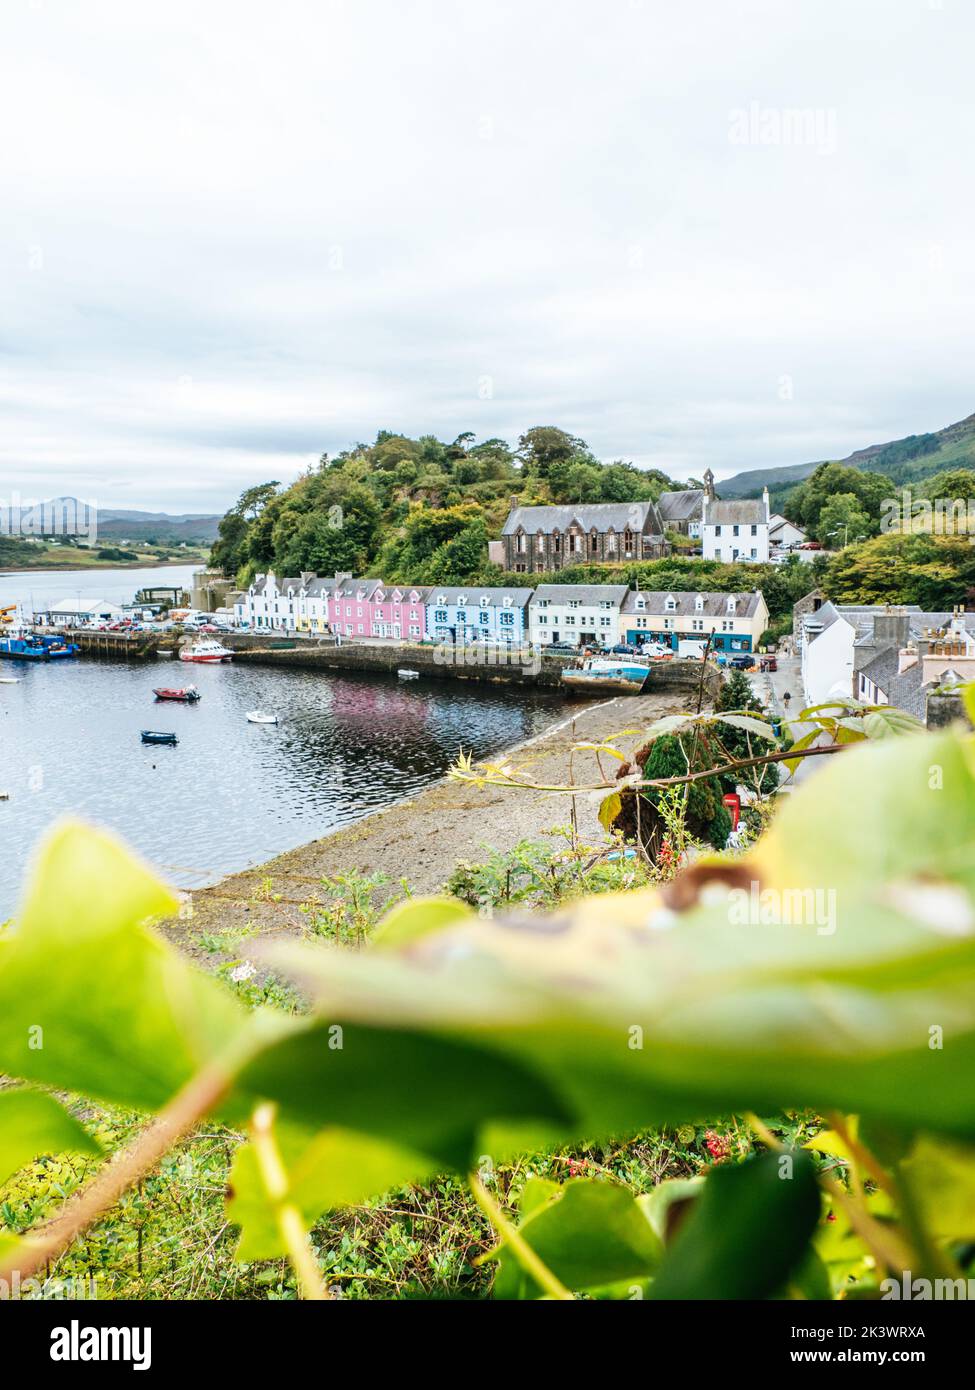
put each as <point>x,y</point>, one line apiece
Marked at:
<point>187,693</point>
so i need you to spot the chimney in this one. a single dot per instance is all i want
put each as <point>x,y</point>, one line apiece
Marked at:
<point>765,501</point>
<point>513,502</point>
<point>892,628</point>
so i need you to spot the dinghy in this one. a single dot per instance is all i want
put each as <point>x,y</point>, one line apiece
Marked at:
<point>187,693</point>
<point>257,716</point>
<point>405,674</point>
<point>154,736</point>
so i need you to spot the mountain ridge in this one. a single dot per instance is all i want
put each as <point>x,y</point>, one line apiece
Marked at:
<point>905,460</point>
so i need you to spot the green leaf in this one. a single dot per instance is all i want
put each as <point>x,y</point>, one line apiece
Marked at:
<point>421,1091</point>
<point>589,1234</point>
<point>942,1179</point>
<point>31,1124</point>
<point>334,1168</point>
<point>92,1000</point>
<point>417,917</point>
<point>747,1232</point>
<point>749,723</point>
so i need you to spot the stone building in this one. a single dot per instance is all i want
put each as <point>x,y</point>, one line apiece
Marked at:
<point>543,539</point>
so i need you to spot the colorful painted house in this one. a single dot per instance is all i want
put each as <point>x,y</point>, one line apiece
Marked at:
<point>399,612</point>
<point>472,614</point>
<point>737,620</point>
<point>372,608</point>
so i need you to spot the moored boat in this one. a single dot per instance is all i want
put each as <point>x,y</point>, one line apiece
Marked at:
<point>405,674</point>
<point>257,716</point>
<point>156,736</point>
<point>600,675</point>
<point>187,693</point>
<point>31,648</point>
<point>206,649</point>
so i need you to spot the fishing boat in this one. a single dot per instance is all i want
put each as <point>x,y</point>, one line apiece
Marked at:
<point>206,649</point>
<point>604,676</point>
<point>154,736</point>
<point>257,716</point>
<point>31,648</point>
<point>405,674</point>
<point>187,693</point>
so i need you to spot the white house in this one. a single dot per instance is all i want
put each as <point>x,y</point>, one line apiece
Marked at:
<point>73,611</point>
<point>576,613</point>
<point>733,531</point>
<point>783,535</point>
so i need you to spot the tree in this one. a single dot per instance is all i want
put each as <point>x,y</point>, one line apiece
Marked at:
<point>544,445</point>
<point>842,520</point>
<point>674,755</point>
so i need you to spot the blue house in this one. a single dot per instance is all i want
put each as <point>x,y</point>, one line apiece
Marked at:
<point>473,614</point>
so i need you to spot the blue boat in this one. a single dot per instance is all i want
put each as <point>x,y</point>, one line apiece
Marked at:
<point>37,648</point>
<point>154,736</point>
<point>599,676</point>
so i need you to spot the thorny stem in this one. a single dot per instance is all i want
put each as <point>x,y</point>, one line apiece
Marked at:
<point>287,1215</point>
<point>526,1256</point>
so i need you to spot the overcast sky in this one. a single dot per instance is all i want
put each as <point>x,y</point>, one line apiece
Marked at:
<point>234,235</point>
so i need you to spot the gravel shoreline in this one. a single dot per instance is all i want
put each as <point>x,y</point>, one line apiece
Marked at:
<point>421,839</point>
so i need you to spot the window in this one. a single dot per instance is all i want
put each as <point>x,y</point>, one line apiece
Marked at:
<point>611,543</point>
<point>414,629</point>
<point>542,619</point>
<point>484,600</point>
<point>486,619</point>
<point>440,615</point>
<point>754,530</point>
<point>359,627</point>
<point>506,602</point>
<point>699,604</point>
<point>754,554</point>
<point>521,543</point>
<point>570,620</point>
<point>506,619</point>
<point>605,622</point>
<point>670,604</point>
<point>734,530</point>
<point>717,530</point>
<point>461,600</point>
<point>573,603</point>
<point>540,543</point>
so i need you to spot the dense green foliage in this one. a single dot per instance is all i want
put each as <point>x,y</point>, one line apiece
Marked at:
<point>933,571</point>
<point>416,510</point>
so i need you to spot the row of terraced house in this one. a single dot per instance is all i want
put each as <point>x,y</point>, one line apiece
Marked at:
<point>598,615</point>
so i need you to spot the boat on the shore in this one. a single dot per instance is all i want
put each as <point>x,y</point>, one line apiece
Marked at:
<point>156,736</point>
<point>604,676</point>
<point>187,693</point>
<point>257,716</point>
<point>405,674</point>
<point>206,649</point>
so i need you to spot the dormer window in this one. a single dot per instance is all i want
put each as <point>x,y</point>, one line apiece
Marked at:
<point>461,600</point>
<point>699,604</point>
<point>484,600</point>
<point>506,601</point>
<point>441,598</point>
<point>640,604</point>
<point>670,603</point>
<point>732,604</point>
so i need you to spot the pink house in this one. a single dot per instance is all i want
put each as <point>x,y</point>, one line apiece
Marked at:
<point>370,608</point>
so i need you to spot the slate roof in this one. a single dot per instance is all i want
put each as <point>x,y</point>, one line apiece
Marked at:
<point>604,516</point>
<point>685,505</point>
<point>715,604</point>
<point>351,587</point>
<point>749,512</point>
<point>519,597</point>
<point>585,593</point>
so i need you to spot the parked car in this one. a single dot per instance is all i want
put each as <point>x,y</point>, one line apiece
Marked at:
<point>768,663</point>
<point>742,663</point>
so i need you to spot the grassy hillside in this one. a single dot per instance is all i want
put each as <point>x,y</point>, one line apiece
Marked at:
<point>904,461</point>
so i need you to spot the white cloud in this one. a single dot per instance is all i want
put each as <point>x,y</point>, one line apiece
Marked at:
<point>235,235</point>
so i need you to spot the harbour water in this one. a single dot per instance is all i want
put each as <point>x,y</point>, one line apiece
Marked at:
<point>231,794</point>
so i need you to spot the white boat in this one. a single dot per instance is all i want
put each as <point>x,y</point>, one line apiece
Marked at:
<point>258,716</point>
<point>205,649</point>
<point>405,674</point>
<point>9,680</point>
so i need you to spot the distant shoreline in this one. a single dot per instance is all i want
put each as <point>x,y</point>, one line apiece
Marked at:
<point>148,564</point>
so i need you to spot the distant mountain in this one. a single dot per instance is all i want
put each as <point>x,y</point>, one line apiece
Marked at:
<point>903,461</point>
<point>198,528</point>
<point>69,516</point>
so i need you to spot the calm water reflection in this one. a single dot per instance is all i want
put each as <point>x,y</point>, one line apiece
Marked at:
<point>231,794</point>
